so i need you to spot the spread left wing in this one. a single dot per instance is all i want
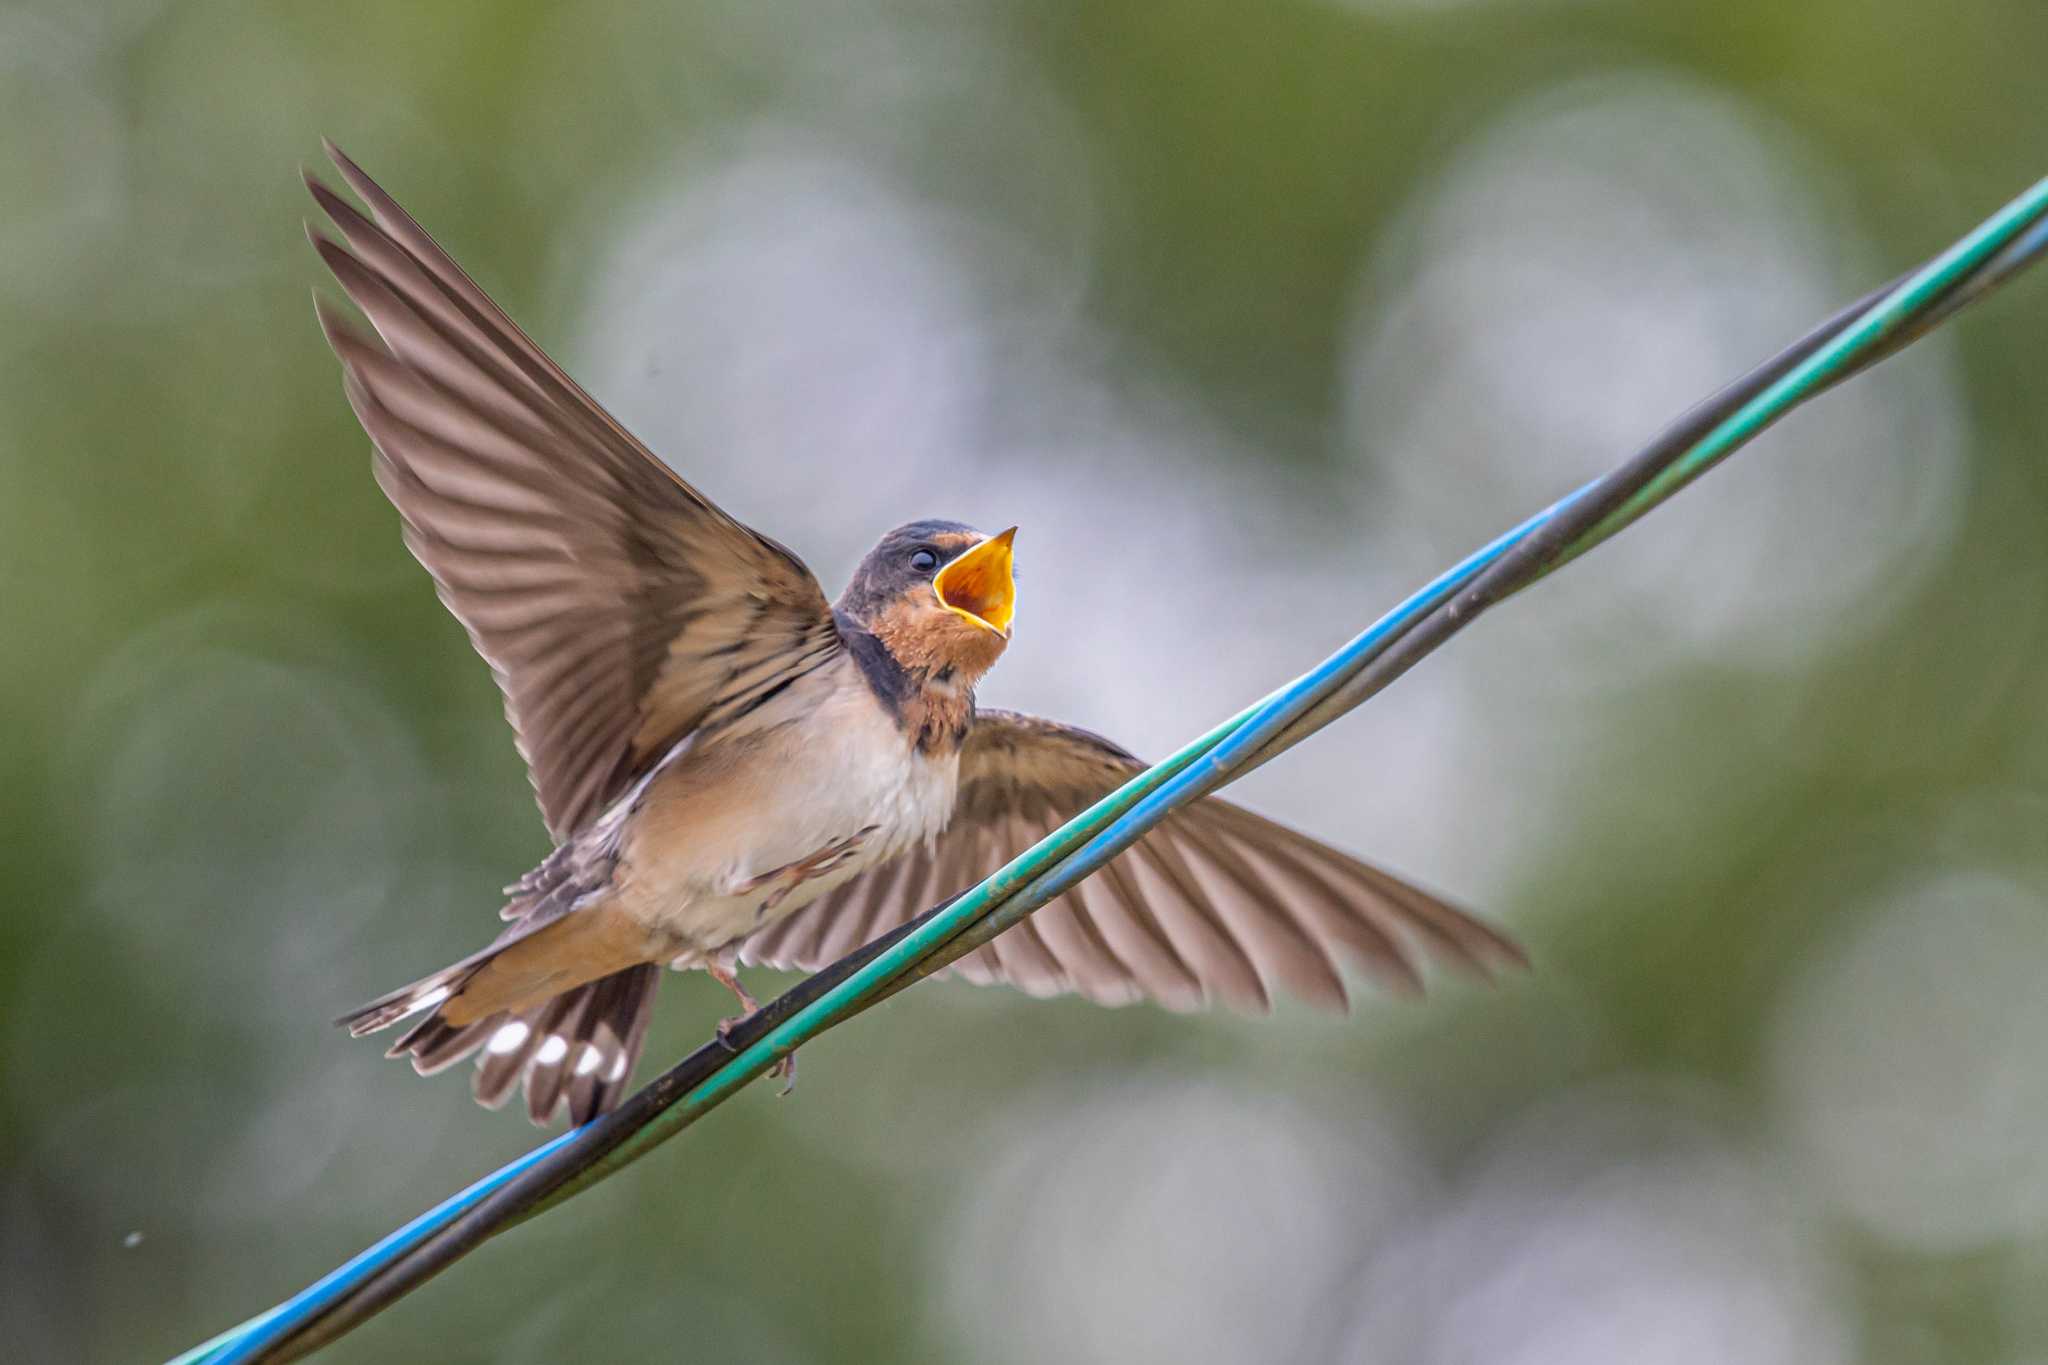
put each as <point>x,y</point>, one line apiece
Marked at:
<point>619,609</point>
<point>1216,903</point>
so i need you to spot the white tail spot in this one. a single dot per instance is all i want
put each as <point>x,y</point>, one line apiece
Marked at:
<point>553,1050</point>
<point>420,1001</point>
<point>589,1061</point>
<point>618,1071</point>
<point>507,1038</point>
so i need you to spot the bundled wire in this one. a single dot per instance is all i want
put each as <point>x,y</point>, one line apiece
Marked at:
<point>1859,336</point>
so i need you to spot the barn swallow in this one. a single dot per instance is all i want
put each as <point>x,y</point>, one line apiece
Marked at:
<point>735,770</point>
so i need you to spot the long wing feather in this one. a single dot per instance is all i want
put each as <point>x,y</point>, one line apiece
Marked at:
<point>619,609</point>
<point>1215,904</point>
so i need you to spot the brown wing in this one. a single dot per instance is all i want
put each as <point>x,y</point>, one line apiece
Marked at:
<point>1215,903</point>
<point>618,608</point>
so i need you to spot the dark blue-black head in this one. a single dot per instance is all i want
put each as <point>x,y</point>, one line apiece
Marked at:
<point>938,594</point>
<point>907,566</point>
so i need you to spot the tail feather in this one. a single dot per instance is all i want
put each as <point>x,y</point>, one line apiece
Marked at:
<point>580,1046</point>
<point>558,1002</point>
<point>435,1045</point>
<point>430,992</point>
<point>544,1045</point>
<point>424,994</point>
<point>618,1024</point>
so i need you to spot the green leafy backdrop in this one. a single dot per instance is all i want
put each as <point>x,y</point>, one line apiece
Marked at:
<point>1207,298</point>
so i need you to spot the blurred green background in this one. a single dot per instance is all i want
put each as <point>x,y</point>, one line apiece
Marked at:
<point>1254,316</point>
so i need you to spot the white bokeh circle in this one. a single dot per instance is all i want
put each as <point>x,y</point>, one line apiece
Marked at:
<point>1908,1065</point>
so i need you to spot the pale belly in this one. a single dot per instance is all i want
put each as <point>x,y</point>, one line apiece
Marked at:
<point>748,833</point>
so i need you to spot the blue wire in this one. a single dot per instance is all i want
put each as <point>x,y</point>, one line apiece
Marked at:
<point>1284,707</point>
<point>239,1344</point>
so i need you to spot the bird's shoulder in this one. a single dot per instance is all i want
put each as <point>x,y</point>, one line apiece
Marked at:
<point>1013,750</point>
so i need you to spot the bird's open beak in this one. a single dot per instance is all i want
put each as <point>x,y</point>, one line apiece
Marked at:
<point>979,586</point>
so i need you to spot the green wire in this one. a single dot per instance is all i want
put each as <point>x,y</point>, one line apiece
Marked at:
<point>1829,363</point>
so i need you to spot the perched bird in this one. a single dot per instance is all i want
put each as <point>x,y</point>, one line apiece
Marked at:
<point>737,771</point>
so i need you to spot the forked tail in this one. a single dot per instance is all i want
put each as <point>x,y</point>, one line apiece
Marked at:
<point>579,1045</point>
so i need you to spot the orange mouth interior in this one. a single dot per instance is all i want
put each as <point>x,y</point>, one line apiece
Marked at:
<point>979,586</point>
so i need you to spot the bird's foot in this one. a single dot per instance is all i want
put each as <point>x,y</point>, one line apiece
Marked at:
<point>785,1065</point>
<point>729,979</point>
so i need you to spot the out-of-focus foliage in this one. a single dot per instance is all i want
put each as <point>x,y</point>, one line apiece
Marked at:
<point>1253,316</point>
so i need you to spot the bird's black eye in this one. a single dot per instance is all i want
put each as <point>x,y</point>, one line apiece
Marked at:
<point>924,561</point>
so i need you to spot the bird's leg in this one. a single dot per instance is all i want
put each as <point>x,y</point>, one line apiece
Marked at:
<point>730,980</point>
<point>785,1066</point>
<point>779,883</point>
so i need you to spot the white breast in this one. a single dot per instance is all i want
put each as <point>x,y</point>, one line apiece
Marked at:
<point>853,768</point>
<point>708,832</point>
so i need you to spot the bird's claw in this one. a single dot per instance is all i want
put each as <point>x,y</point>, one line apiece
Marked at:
<point>785,1065</point>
